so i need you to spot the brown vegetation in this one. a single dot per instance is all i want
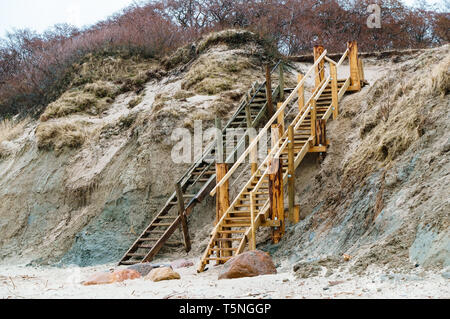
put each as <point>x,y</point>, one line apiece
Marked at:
<point>35,69</point>
<point>60,135</point>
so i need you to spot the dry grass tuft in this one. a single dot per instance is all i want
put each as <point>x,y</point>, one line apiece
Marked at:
<point>160,102</point>
<point>58,136</point>
<point>103,89</point>
<point>76,101</point>
<point>213,74</point>
<point>113,69</point>
<point>10,129</point>
<point>231,38</point>
<point>440,78</point>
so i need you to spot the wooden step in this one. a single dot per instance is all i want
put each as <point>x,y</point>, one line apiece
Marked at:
<point>130,262</point>
<point>236,225</point>
<point>136,255</point>
<point>230,232</point>
<point>155,232</point>
<point>227,239</point>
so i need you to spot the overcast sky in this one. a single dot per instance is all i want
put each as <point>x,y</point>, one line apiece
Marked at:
<point>39,15</point>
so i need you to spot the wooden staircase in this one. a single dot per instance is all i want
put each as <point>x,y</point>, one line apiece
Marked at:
<point>251,208</point>
<point>197,182</point>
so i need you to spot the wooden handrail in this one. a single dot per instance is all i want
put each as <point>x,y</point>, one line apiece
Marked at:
<point>268,125</point>
<point>343,58</point>
<point>330,60</point>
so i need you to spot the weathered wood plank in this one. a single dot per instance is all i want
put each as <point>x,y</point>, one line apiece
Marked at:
<point>276,200</point>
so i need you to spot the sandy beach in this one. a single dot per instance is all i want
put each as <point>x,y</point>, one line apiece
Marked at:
<point>55,283</point>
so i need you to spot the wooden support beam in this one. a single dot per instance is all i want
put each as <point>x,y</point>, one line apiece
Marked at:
<point>281,69</point>
<point>321,133</point>
<point>318,149</point>
<point>354,67</point>
<point>252,216</point>
<point>301,93</point>
<point>281,118</point>
<point>334,90</point>
<point>296,218</point>
<point>291,173</point>
<point>222,206</point>
<point>223,195</point>
<point>276,200</point>
<point>182,214</point>
<point>320,69</point>
<point>270,111</point>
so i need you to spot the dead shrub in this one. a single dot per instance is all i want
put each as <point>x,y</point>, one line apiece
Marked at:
<point>102,89</point>
<point>75,101</point>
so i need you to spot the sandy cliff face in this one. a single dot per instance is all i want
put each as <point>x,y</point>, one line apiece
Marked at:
<point>380,195</point>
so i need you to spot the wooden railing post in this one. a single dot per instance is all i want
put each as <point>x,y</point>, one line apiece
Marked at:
<point>291,173</point>
<point>223,196</point>
<point>252,216</point>
<point>301,93</point>
<point>281,68</point>
<point>354,66</point>
<point>321,133</point>
<point>269,92</point>
<point>334,90</point>
<point>182,213</point>
<point>320,70</point>
<point>276,200</point>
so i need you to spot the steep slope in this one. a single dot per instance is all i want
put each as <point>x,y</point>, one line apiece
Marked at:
<point>78,185</point>
<point>381,195</point>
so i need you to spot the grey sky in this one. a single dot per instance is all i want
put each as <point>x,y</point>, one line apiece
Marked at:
<point>39,15</point>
